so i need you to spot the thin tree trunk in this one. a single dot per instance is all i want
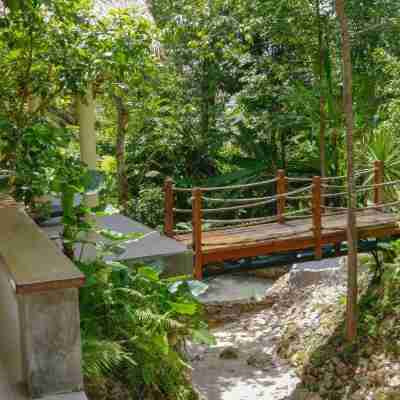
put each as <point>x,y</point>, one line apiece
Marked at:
<point>322,117</point>
<point>335,150</point>
<point>122,128</point>
<point>283,136</point>
<point>351,320</point>
<point>205,105</point>
<point>208,101</point>
<point>322,129</point>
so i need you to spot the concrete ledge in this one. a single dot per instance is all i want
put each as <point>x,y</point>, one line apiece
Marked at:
<point>35,263</point>
<point>40,344</point>
<point>153,248</point>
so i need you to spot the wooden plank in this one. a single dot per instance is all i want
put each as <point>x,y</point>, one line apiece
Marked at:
<point>169,207</point>
<point>307,240</point>
<point>197,233</point>
<point>34,262</point>
<point>236,253</point>
<point>235,236</point>
<point>274,247</point>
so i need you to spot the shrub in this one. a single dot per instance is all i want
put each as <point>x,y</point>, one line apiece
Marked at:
<point>148,208</point>
<point>134,325</point>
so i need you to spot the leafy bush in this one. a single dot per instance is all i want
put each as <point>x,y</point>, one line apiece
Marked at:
<point>380,308</point>
<point>108,194</point>
<point>40,150</point>
<point>134,325</point>
<point>148,208</point>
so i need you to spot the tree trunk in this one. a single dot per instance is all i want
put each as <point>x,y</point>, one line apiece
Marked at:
<point>322,117</point>
<point>208,103</point>
<point>351,320</point>
<point>283,139</point>
<point>205,105</point>
<point>122,128</point>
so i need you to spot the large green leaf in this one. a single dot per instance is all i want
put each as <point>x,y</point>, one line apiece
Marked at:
<point>183,308</point>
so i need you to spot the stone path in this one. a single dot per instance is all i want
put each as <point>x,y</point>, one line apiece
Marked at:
<point>227,288</point>
<point>256,373</point>
<point>252,369</point>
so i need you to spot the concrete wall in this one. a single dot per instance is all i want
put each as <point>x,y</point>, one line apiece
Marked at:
<point>40,347</point>
<point>10,352</point>
<point>51,342</point>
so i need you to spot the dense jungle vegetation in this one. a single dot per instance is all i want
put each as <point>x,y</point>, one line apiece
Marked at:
<point>216,92</point>
<point>206,92</point>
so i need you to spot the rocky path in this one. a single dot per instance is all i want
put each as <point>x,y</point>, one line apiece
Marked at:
<point>244,364</point>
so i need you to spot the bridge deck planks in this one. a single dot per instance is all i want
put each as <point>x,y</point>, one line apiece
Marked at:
<point>263,239</point>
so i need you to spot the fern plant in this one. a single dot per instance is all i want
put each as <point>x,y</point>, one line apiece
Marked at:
<point>134,327</point>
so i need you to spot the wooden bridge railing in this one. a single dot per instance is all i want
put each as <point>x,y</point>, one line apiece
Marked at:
<point>317,198</point>
<point>169,207</point>
<point>378,180</point>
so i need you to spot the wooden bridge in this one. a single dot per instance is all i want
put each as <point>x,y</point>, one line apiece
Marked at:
<point>309,213</point>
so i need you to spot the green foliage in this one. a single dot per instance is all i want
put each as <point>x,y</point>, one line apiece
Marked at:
<point>38,157</point>
<point>380,308</point>
<point>45,51</point>
<point>215,92</point>
<point>148,207</point>
<point>133,323</point>
<point>382,145</point>
<point>102,356</point>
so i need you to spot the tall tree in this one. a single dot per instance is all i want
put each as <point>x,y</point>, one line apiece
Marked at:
<point>351,328</point>
<point>322,117</point>
<point>120,151</point>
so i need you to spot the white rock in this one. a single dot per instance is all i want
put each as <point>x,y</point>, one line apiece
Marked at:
<point>309,274</point>
<point>394,381</point>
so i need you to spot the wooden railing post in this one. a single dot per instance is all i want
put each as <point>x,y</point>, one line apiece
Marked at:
<point>281,189</point>
<point>378,180</point>
<point>197,233</point>
<point>169,207</point>
<point>317,218</point>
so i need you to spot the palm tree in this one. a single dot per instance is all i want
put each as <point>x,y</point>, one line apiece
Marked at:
<point>351,320</point>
